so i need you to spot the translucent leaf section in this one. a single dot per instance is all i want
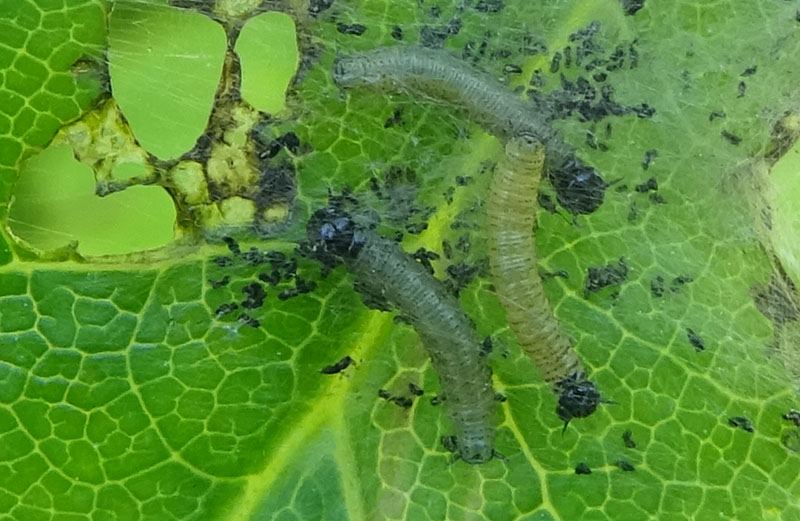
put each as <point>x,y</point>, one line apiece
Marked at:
<point>55,204</point>
<point>40,40</point>
<point>267,48</point>
<point>165,66</point>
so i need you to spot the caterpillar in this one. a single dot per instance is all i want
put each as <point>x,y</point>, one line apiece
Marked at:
<point>381,268</point>
<point>445,78</point>
<point>511,211</point>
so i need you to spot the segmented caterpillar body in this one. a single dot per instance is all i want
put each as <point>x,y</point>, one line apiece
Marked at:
<point>445,78</point>
<point>511,210</point>
<point>437,74</point>
<point>381,267</point>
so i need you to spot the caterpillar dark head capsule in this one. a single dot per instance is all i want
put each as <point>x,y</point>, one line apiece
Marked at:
<point>334,231</point>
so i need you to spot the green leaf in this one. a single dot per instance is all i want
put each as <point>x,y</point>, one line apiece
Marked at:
<point>129,393</point>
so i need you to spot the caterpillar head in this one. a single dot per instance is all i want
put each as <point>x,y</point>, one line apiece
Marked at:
<point>526,147</point>
<point>579,188</point>
<point>353,70</point>
<point>577,398</point>
<point>333,230</point>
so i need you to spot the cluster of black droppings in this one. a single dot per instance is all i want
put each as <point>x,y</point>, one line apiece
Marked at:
<point>651,185</point>
<point>624,465</point>
<point>425,257</point>
<point>631,6</point>
<point>338,367</point>
<point>402,401</point>
<point>266,149</point>
<point>414,389</point>
<point>695,339</point>
<point>532,45</point>
<point>254,296</point>
<point>490,6</point>
<point>301,287</point>
<point>582,469</point>
<point>599,277</point>
<point>353,29</point>
<point>741,89</point>
<point>792,416</point>
<point>459,276</point>
<point>733,139</point>
<point>627,439</point>
<point>583,40</point>
<point>282,269</point>
<point>434,37</point>
<point>657,286</point>
<point>579,188</point>
<point>500,397</point>
<point>741,422</point>
<point>588,99</point>
<point>246,319</point>
<point>317,6</point>
<point>438,399</point>
<point>581,97</point>
<point>395,119</point>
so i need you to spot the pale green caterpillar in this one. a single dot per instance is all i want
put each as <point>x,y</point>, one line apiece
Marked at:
<point>440,76</point>
<point>511,210</point>
<point>382,270</point>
